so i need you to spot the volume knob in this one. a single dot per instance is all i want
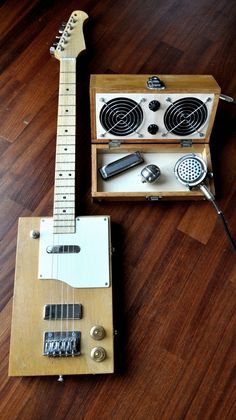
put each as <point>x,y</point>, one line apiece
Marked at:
<point>153,129</point>
<point>154,105</point>
<point>97,332</point>
<point>98,354</point>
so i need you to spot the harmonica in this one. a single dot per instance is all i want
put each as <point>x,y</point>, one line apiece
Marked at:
<point>120,165</point>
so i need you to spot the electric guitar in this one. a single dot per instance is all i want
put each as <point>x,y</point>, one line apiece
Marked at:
<point>62,321</point>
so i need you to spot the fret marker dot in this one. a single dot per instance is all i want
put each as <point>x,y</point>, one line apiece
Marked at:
<point>65,149</point>
<point>64,197</point>
<point>66,131</point>
<point>64,211</point>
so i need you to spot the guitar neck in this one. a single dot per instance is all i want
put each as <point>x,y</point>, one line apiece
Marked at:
<point>64,190</point>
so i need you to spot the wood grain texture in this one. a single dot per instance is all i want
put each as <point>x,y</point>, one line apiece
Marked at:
<point>174,273</point>
<point>28,325</point>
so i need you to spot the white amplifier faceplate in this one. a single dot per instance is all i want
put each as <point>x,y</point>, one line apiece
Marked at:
<point>128,115</point>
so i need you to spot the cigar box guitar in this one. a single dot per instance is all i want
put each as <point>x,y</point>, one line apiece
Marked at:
<point>62,305</point>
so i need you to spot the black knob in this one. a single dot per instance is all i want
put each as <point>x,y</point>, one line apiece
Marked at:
<point>154,105</point>
<point>153,129</point>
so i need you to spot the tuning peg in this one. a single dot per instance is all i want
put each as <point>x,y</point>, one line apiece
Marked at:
<point>58,36</point>
<point>62,27</point>
<point>73,19</point>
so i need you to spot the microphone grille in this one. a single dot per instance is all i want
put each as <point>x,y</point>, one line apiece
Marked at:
<point>190,170</point>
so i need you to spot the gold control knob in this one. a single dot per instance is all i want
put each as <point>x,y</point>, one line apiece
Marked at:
<point>98,354</point>
<point>97,332</point>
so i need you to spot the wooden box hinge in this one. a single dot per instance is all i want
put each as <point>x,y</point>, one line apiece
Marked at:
<point>186,143</point>
<point>114,143</point>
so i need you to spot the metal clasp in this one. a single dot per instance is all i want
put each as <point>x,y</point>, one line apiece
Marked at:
<point>155,83</point>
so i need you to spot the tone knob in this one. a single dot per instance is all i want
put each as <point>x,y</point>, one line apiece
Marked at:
<point>98,354</point>
<point>154,105</point>
<point>153,129</point>
<point>97,332</point>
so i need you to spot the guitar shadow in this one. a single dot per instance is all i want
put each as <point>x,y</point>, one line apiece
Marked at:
<point>120,332</point>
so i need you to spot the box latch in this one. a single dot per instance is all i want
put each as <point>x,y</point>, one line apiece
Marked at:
<point>186,143</point>
<point>153,198</point>
<point>154,82</point>
<point>114,143</point>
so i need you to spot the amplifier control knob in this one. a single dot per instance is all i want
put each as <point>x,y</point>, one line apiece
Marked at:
<point>98,354</point>
<point>154,105</point>
<point>97,332</point>
<point>153,129</point>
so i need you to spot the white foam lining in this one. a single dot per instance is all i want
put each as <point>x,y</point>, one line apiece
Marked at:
<point>130,181</point>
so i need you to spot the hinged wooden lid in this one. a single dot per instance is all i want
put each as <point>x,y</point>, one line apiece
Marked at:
<point>170,109</point>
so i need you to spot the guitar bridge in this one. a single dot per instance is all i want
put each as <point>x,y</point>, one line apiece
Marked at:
<point>62,344</point>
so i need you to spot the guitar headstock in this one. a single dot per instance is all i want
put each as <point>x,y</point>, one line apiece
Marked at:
<point>70,43</point>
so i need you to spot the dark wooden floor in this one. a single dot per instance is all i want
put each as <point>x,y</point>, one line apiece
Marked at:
<point>175,275</point>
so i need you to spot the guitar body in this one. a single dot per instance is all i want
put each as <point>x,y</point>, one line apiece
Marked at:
<point>29,355</point>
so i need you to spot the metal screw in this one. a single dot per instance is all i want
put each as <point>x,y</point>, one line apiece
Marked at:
<point>34,234</point>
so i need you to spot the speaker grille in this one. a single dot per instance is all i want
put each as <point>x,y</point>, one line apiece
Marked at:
<point>185,116</point>
<point>121,116</point>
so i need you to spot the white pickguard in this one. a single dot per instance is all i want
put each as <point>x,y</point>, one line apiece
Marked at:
<point>88,268</point>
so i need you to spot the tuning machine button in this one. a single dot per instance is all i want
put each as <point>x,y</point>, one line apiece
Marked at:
<point>98,354</point>
<point>53,48</point>
<point>97,332</point>
<point>153,129</point>
<point>62,27</point>
<point>154,105</point>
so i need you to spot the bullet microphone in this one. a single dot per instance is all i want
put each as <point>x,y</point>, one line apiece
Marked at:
<point>191,170</point>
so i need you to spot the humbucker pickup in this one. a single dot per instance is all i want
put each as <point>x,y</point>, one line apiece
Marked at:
<point>62,344</point>
<point>62,311</point>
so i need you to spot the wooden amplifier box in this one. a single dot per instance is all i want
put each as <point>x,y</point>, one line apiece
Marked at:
<point>163,118</point>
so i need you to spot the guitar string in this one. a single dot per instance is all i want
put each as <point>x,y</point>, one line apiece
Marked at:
<point>74,150</point>
<point>55,261</point>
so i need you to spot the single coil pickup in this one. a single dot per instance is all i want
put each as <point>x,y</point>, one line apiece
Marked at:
<point>62,344</point>
<point>62,311</point>
<point>63,249</point>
